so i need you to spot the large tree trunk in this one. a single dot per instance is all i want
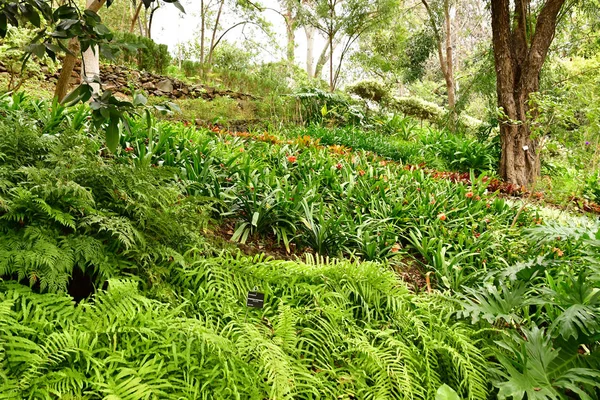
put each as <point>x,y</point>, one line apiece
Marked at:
<point>69,61</point>
<point>519,163</point>
<point>519,59</point>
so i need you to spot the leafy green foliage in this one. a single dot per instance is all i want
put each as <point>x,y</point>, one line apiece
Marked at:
<point>171,322</point>
<point>64,207</point>
<point>334,329</point>
<point>142,52</point>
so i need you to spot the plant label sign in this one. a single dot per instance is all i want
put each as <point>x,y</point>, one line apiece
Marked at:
<point>255,300</point>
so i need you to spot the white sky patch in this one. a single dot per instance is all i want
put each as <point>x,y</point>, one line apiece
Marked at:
<point>171,27</point>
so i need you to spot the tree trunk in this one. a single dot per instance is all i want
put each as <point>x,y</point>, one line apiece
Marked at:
<point>446,61</point>
<point>90,68</point>
<point>135,17</point>
<point>69,61</point>
<point>214,36</point>
<point>450,86</point>
<point>324,58</point>
<point>519,60</point>
<point>202,31</point>
<point>331,87</point>
<point>291,36</point>
<point>519,163</point>
<point>150,20</point>
<point>62,85</point>
<point>310,48</point>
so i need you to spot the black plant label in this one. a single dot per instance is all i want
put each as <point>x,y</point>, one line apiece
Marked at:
<point>255,300</point>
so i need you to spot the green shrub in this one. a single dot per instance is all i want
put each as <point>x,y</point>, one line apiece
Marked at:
<point>142,53</point>
<point>12,48</point>
<point>370,90</point>
<point>592,187</point>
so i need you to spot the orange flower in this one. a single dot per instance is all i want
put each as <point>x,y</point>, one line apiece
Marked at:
<point>469,195</point>
<point>558,251</point>
<point>395,248</point>
<point>442,217</point>
<point>382,163</point>
<point>291,159</point>
<point>361,172</point>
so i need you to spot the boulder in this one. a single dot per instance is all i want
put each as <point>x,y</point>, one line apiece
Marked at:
<point>149,86</point>
<point>165,86</point>
<point>110,86</point>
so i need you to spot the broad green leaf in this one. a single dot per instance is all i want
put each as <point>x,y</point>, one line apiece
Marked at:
<point>445,392</point>
<point>112,134</point>
<point>139,100</point>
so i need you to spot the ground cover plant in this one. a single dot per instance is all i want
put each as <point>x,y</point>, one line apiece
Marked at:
<point>428,233</point>
<point>115,283</point>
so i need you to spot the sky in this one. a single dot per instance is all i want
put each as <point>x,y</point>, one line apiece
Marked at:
<point>171,27</point>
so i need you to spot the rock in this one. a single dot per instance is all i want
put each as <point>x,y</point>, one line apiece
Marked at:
<point>176,93</point>
<point>135,75</point>
<point>165,86</point>
<point>149,86</point>
<point>110,86</point>
<point>185,90</point>
<point>111,77</point>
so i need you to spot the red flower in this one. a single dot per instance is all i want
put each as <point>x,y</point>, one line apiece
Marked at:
<point>442,217</point>
<point>129,149</point>
<point>291,159</point>
<point>339,165</point>
<point>469,195</point>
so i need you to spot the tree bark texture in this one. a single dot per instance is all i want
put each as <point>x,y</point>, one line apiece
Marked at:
<point>70,58</point>
<point>90,65</point>
<point>519,56</point>
<point>310,49</point>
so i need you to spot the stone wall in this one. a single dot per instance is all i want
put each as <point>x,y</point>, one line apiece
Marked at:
<point>122,80</point>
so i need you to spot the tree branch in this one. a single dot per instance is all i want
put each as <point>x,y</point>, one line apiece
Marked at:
<point>544,34</point>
